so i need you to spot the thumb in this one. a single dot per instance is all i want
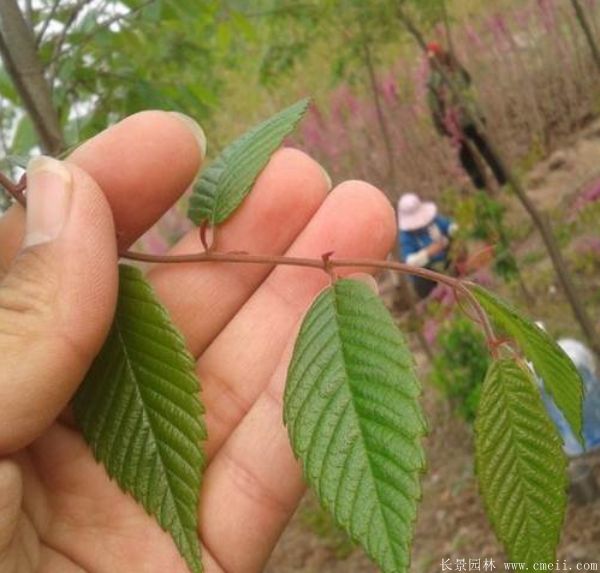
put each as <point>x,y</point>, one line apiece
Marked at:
<point>57,299</point>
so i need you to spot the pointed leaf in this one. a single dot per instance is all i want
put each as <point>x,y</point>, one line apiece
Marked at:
<point>560,375</point>
<point>224,185</point>
<point>139,409</point>
<point>352,412</point>
<point>520,464</point>
<point>24,138</point>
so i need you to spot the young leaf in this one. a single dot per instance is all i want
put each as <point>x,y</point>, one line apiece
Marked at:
<point>520,464</point>
<point>224,185</point>
<point>352,412</point>
<point>139,410</point>
<point>560,375</point>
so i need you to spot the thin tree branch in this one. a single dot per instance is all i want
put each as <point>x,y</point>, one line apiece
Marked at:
<point>85,39</point>
<point>40,35</point>
<point>61,39</point>
<point>21,61</point>
<point>385,135</point>
<point>587,30</point>
<point>15,189</point>
<point>325,264</point>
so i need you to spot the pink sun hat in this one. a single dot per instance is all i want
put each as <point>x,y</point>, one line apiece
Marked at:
<point>413,213</point>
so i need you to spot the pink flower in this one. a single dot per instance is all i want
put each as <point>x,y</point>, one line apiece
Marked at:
<point>588,196</point>
<point>474,36</point>
<point>389,90</point>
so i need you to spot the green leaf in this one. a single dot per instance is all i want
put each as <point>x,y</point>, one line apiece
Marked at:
<point>224,185</point>
<point>25,138</point>
<point>520,465</point>
<point>139,410</point>
<point>352,412</point>
<point>561,378</point>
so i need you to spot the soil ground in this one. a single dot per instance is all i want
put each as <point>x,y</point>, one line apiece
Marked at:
<point>451,523</point>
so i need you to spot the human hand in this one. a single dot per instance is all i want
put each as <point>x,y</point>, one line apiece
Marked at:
<point>438,247</point>
<point>59,512</point>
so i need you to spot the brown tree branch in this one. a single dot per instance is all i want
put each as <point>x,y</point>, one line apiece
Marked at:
<point>385,135</point>
<point>57,57</point>
<point>21,61</point>
<point>587,30</point>
<point>40,35</point>
<point>61,39</point>
<point>326,263</point>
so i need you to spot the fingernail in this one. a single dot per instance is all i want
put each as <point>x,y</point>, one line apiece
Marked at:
<point>327,178</point>
<point>49,190</point>
<point>196,130</point>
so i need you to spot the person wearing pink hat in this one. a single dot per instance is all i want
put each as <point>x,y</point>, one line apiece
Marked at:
<point>424,238</point>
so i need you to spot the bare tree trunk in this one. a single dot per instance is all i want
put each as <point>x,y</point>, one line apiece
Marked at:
<point>587,30</point>
<point>405,288</point>
<point>539,219</point>
<point>17,48</point>
<point>385,134</point>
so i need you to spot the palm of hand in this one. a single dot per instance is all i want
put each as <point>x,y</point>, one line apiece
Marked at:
<point>58,509</point>
<point>71,517</point>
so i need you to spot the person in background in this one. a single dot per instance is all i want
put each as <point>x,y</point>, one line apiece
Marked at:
<point>451,119</point>
<point>424,238</point>
<point>583,359</point>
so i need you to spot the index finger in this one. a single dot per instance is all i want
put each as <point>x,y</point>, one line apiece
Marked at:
<point>143,164</point>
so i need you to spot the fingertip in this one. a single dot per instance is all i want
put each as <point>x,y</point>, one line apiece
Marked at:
<point>291,187</point>
<point>194,127</point>
<point>306,171</point>
<point>143,164</point>
<point>365,201</point>
<point>367,279</point>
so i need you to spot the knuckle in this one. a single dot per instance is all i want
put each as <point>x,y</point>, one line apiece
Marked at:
<point>28,293</point>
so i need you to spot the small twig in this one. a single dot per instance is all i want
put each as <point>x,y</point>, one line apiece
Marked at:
<point>326,263</point>
<point>464,309</point>
<point>483,317</point>
<point>203,230</point>
<point>40,35</point>
<point>15,189</point>
<point>86,38</point>
<point>328,267</point>
<point>61,39</point>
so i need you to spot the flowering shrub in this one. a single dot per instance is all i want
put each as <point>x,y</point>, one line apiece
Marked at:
<point>535,81</point>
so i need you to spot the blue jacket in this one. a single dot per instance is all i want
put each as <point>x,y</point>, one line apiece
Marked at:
<point>411,242</point>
